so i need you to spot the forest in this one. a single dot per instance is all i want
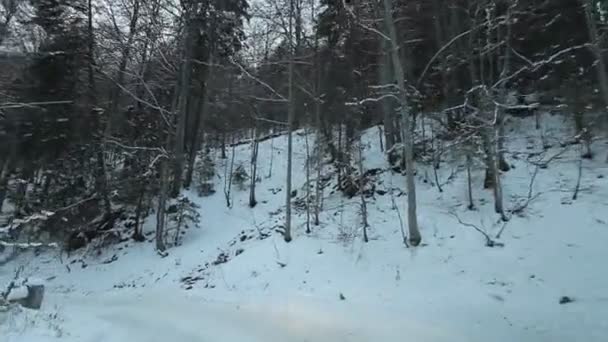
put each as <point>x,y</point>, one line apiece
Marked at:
<point>131,121</point>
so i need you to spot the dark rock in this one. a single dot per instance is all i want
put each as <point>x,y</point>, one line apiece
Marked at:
<point>342,297</point>
<point>221,259</point>
<point>565,300</point>
<point>35,295</point>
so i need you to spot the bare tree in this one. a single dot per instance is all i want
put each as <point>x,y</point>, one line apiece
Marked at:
<point>596,48</point>
<point>184,98</point>
<point>469,182</point>
<point>308,192</point>
<point>290,120</point>
<point>101,179</point>
<point>406,127</point>
<point>364,220</point>
<point>255,144</point>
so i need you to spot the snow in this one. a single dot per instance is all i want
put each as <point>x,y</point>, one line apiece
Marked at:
<point>330,285</point>
<point>17,293</point>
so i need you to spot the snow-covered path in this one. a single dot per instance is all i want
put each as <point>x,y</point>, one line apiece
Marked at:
<point>163,316</point>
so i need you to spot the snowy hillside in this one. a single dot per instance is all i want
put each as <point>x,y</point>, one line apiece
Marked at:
<point>235,279</point>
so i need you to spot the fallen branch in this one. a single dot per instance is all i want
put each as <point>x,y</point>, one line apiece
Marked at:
<point>520,208</point>
<point>11,105</point>
<point>489,241</point>
<point>504,225</point>
<point>578,179</point>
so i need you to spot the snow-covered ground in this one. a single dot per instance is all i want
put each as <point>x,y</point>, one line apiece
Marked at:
<point>330,285</point>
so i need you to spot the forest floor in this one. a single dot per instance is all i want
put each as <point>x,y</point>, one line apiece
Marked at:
<point>235,279</point>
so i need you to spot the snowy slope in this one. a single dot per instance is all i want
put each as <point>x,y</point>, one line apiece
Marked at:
<point>330,286</point>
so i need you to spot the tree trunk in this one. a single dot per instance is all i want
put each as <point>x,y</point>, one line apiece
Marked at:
<point>502,162</point>
<point>271,154</point>
<point>445,81</point>
<point>197,132</point>
<point>364,220</point>
<point>186,71</point>
<point>254,168</point>
<point>101,180</point>
<point>160,212</point>
<point>469,181</point>
<point>290,118</point>
<point>228,174</point>
<point>308,161</point>
<point>318,122</point>
<point>387,76</point>
<point>596,48</point>
<point>414,232</point>
<point>137,231</point>
<point>122,67</point>
<point>492,170</point>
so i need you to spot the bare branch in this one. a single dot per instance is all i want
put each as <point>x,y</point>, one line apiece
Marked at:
<point>10,105</point>
<point>489,241</point>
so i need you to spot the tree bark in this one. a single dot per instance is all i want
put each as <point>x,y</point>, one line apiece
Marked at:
<point>469,181</point>
<point>101,180</point>
<point>387,76</point>
<point>160,211</point>
<point>197,132</point>
<point>186,71</point>
<point>364,220</point>
<point>502,162</point>
<point>414,232</point>
<point>445,81</point>
<point>596,48</point>
<point>290,118</point>
<point>120,77</point>
<point>308,161</point>
<point>254,168</point>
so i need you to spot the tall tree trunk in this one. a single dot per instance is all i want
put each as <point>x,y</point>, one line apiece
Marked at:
<point>254,167</point>
<point>596,48</point>
<point>197,133</point>
<point>469,181</point>
<point>414,232</point>
<point>489,137</point>
<point>122,67</point>
<point>101,180</point>
<point>160,211</point>
<point>308,161</point>
<point>137,231</point>
<point>387,76</point>
<point>290,118</point>
<point>186,71</point>
<point>502,162</point>
<point>223,144</point>
<point>318,122</point>
<point>364,220</point>
<point>445,81</point>
<point>271,154</point>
